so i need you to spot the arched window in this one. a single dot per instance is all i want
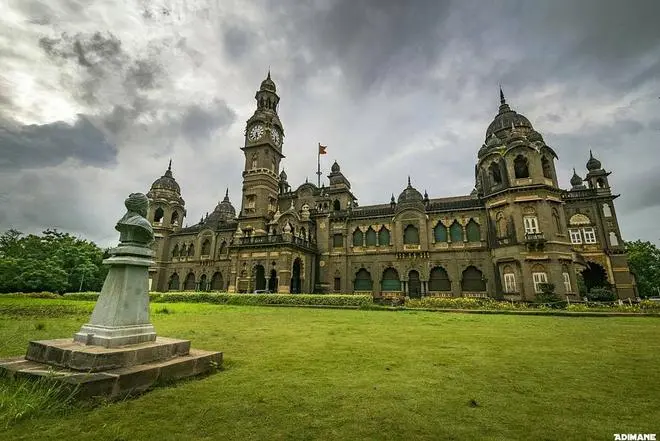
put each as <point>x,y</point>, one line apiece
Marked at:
<point>175,251</point>
<point>557,220</point>
<point>173,284</point>
<point>202,283</point>
<point>614,241</point>
<point>384,237</point>
<point>336,206</point>
<point>411,235</point>
<point>495,173</point>
<point>509,280</point>
<point>363,281</point>
<point>175,218</point>
<point>217,284</point>
<point>500,224</point>
<point>357,238</point>
<point>390,280</point>
<point>223,248</point>
<point>473,231</point>
<point>456,232</point>
<point>206,247</point>
<point>472,280</point>
<point>547,167</point>
<point>439,280</point>
<point>189,284</point>
<point>600,183</point>
<point>158,215</point>
<point>191,250</point>
<point>371,237</point>
<point>521,167</point>
<point>607,212</point>
<point>440,232</point>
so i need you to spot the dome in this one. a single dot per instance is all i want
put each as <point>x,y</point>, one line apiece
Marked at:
<point>335,168</point>
<point>410,195</point>
<point>506,118</point>
<point>268,84</point>
<point>534,136</point>
<point>224,211</point>
<point>593,163</point>
<point>576,180</point>
<point>166,182</point>
<point>493,141</point>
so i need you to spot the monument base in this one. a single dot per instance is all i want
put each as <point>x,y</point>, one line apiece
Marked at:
<point>115,336</point>
<point>112,372</point>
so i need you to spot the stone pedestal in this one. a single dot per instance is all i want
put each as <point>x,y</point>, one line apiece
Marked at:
<point>121,314</point>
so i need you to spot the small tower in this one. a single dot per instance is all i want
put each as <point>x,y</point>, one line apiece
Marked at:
<point>597,177</point>
<point>166,214</point>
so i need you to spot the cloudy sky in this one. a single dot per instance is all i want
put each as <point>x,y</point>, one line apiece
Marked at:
<point>97,95</point>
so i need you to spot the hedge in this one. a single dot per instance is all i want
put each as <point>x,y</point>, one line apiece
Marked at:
<point>346,300</point>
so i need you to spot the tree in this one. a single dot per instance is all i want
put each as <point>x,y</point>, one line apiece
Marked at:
<point>644,262</point>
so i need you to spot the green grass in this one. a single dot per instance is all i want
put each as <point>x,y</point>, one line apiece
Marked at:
<point>324,374</point>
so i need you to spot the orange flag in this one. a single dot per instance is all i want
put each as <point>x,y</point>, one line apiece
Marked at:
<point>322,149</point>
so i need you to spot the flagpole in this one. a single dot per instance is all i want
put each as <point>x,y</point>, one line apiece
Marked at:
<point>318,171</point>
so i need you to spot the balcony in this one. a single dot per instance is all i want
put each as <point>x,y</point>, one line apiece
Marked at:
<point>274,239</point>
<point>535,241</point>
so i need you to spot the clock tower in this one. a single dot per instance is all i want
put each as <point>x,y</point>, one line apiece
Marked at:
<point>263,153</point>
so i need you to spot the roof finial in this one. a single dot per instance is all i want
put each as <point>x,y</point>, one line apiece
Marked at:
<point>268,72</point>
<point>169,167</point>
<point>409,181</point>
<point>227,194</point>
<point>502,100</point>
<point>591,155</point>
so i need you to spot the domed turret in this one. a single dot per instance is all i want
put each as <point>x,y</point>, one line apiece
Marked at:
<point>505,119</point>
<point>576,180</point>
<point>225,208</point>
<point>593,163</point>
<point>167,181</point>
<point>410,196</point>
<point>268,84</point>
<point>283,176</point>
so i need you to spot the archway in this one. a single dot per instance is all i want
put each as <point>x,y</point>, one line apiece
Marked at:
<point>390,281</point>
<point>363,281</point>
<point>202,283</point>
<point>414,285</point>
<point>472,280</point>
<point>217,282</point>
<point>174,282</point>
<point>295,277</point>
<point>272,281</point>
<point>189,284</point>
<point>260,278</point>
<point>594,276</point>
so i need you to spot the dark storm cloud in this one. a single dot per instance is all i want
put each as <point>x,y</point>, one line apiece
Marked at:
<point>34,146</point>
<point>199,122</point>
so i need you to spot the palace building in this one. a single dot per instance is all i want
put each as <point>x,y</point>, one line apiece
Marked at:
<point>517,229</point>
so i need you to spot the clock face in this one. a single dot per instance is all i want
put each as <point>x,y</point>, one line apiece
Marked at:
<point>275,135</point>
<point>256,132</point>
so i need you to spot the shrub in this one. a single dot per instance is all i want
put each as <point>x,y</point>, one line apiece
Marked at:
<point>93,296</point>
<point>601,295</point>
<point>462,303</point>
<point>264,299</point>
<point>549,296</point>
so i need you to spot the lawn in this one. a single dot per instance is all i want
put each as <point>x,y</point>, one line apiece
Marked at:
<point>326,374</point>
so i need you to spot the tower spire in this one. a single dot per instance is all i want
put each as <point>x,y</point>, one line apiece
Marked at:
<point>502,100</point>
<point>409,181</point>
<point>169,167</point>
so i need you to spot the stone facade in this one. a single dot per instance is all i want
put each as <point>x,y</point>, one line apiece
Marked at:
<point>516,230</point>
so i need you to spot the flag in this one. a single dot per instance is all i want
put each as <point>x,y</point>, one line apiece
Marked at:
<point>322,149</point>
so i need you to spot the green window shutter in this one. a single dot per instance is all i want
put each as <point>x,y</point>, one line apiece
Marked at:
<point>440,232</point>
<point>473,232</point>
<point>390,280</point>
<point>371,238</point>
<point>357,238</point>
<point>411,235</point>
<point>456,232</point>
<point>363,281</point>
<point>384,237</point>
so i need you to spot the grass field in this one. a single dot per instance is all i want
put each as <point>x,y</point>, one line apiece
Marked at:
<point>320,374</point>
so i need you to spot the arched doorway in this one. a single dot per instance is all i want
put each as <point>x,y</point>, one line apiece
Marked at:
<point>272,281</point>
<point>295,277</point>
<point>260,278</point>
<point>174,282</point>
<point>595,276</point>
<point>202,283</point>
<point>217,282</point>
<point>189,284</point>
<point>414,285</point>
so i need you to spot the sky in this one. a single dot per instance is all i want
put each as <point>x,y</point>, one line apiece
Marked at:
<point>97,95</point>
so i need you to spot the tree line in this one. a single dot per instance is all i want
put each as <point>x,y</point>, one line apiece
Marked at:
<point>53,261</point>
<point>60,262</point>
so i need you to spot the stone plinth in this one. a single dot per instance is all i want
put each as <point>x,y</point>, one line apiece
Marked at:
<point>121,314</point>
<point>112,372</point>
